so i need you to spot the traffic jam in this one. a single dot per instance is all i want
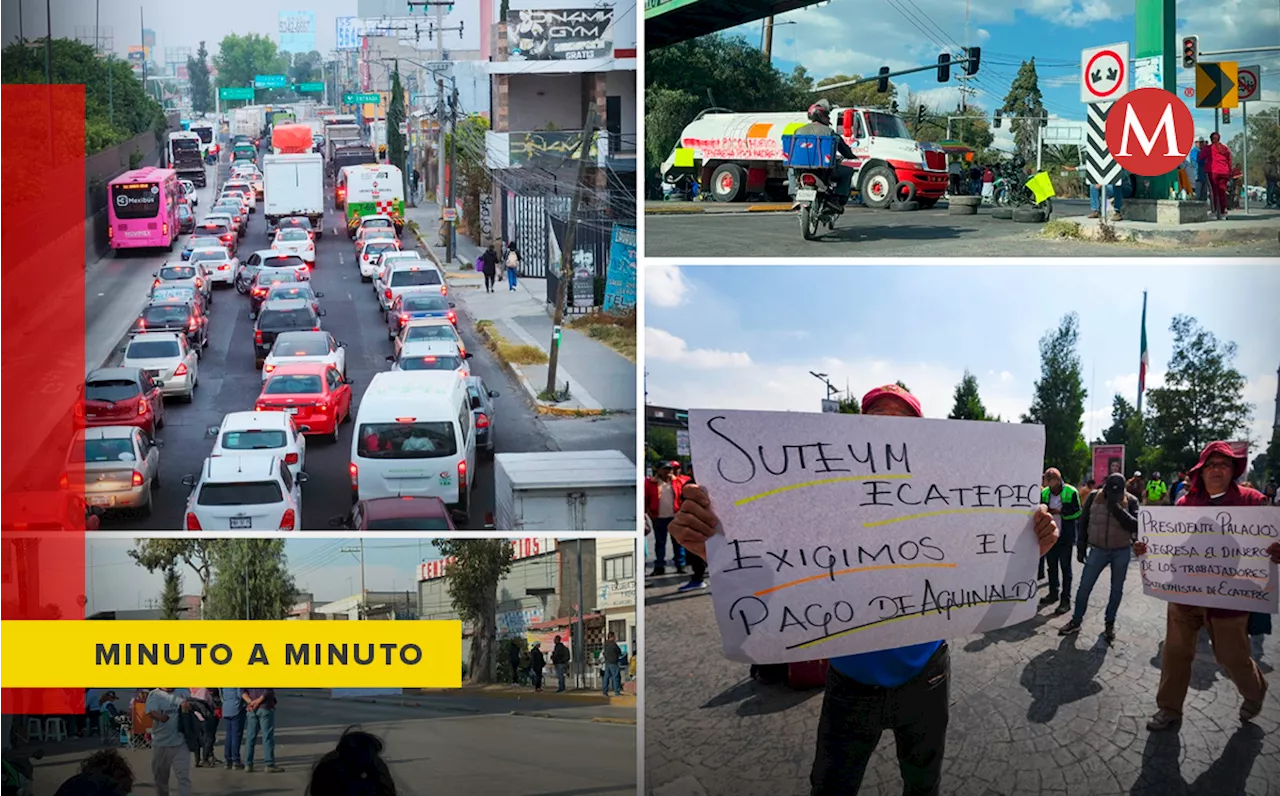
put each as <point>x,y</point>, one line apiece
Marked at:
<point>296,364</point>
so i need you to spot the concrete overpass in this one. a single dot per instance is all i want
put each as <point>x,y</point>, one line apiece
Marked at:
<point>667,22</point>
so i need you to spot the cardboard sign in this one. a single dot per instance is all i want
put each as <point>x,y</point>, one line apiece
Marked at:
<point>1107,459</point>
<point>1212,556</point>
<point>847,533</point>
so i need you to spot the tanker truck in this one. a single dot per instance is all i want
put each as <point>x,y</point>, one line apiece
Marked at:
<point>731,155</point>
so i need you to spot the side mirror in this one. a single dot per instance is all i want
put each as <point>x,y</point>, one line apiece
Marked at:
<point>391,357</point>
<point>338,521</point>
<point>341,344</point>
<point>458,517</point>
<point>347,380</point>
<point>302,478</point>
<point>159,384</point>
<point>467,355</point>
<point>452,305</point>
<point>322,313</point>
<point>189,481</point>
<point>493,393</point>
<point>155,443</point>
<point>304,429</point>
<point>319,295</point>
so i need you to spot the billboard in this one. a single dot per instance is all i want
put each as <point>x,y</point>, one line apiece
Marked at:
<point>565,34</point>
<point>520,549</point>
<point>349,31</point>
<point>1106,460</point>
<point>148,38</point>
<point>297,31</point>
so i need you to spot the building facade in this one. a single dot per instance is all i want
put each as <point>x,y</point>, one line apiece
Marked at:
<point>616,589</point>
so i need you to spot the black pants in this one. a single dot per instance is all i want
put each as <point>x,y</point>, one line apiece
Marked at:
<point>515,671</point>
<point>855,715</point>
<point>1058,559</point>
<point>698,564</point>
<point>208,735</point>
<point>490,277</point>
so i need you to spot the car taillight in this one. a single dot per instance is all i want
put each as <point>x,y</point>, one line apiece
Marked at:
<point>366,255</point>
<point>227,238</point>
<point>79,410</point>
<point>138,480</point>
<point>192,325</point>
<point>482,420</point>
<point>355,475</point>
<point>268,368</point>
<point>155,283</point>
<point>311,247</point>
<point>143,406</point>
<point>388,294</point>
<point>111,233</point>
<point>259,291</point>
<point>193,523</point>
<point>291,458</point>
<point>199,283</point>
<point>142,323</point>
<point>164,228</point>
<point>181,370</point>
<point>64,482</point>
<point>257,336</point>
<point>444,290</point>
<point>404,318</point>
<point>453,317</point>
<point>288,520</point>
<point>462,476</point>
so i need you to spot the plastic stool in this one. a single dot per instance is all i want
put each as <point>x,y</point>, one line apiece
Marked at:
<point>124,737</point>
<point>33,729</point>
<point>55,730</point>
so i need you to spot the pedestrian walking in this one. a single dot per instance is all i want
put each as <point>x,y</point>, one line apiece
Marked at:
<point>260,717</point>
<point>906,690</point>
<point>1212,483</point>
<point>514,647</point>
<point>168,744</point>
<point>1219,159</point>
<point>1109,529</point>
<point>1271,492</point>
<point>233,713</point>
<point>537,662</point>
<point>560,660</point>
<point>612,657</point>
<point>489,266</point>
<point>661,502</point>
<point>513,265</point>
<point>1064,504</point>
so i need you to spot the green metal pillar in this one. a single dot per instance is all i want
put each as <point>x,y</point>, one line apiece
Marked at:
<point>1156,22</point>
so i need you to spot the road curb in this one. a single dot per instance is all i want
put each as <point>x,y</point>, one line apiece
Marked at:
<point>727,210</point>
<point>517,374</point>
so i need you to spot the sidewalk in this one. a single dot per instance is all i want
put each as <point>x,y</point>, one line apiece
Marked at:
<point>585,705</point>
<point>1259,225</point>
<point>600,379</point>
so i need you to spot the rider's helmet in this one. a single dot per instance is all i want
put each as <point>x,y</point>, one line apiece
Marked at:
<point>820,112</point>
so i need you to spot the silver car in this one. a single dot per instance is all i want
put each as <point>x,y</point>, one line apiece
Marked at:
<point>119,466</point>
<point>169,358</point>
<point>188,272</point>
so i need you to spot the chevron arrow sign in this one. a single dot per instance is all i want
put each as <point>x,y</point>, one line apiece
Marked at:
<point>1099,164</point>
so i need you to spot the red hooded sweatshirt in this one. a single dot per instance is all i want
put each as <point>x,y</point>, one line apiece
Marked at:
<point>1235,495</point>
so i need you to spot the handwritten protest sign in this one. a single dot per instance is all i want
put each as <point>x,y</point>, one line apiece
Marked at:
<point>845,534</point>
<point>1211,556</point>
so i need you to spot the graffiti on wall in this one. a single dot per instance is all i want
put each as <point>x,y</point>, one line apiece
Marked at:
<point>546,148</point>
<point>486,216</point>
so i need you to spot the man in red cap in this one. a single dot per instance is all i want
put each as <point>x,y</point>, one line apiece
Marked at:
<point>1212,482</point>
<point>905,690</point>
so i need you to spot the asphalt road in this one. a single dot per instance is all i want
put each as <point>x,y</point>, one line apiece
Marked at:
<point>861,232</point>
<point>229,382</point>
<point>434,749</point>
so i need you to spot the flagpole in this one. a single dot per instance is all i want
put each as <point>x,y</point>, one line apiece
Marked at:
<point>1143,358</point>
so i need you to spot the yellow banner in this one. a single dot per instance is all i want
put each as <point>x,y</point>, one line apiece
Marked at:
<point>265,654</point>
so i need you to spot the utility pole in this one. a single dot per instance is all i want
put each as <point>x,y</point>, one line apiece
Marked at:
<point>48,42</point>
<point>142,29</point>
<point>358,550</point>
<point>566,253</point>
<point>453,167</point>
<point>446,228</point>
<point>580,640</point>
<point>768,38</point>
<point>247,558</point>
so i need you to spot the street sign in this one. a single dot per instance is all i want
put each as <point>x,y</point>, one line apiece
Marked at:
<point>449,214</point>
<point>270,81</point>
<point>361,99</point>
<point>315,88</point>
<point>1106,73</point>
<point>235,93</point>
<point>682,442</point>
<point>1249,79</point>
<point>1100,165</point>
<point>1216,85</point>
<point>439,66</point>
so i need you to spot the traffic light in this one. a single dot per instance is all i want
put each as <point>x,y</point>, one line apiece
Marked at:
<point>944,67</point>
<point>1226,116</point>
<point>882,85</point>
<point>1190,52</point>
<point>919,117</point>
<point>996,121</point>
<point>974,55</point>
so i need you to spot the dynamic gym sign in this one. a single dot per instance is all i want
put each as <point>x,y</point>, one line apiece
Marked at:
<point>567,34</point>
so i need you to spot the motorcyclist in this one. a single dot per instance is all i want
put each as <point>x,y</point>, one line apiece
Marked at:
<point>820,124</point>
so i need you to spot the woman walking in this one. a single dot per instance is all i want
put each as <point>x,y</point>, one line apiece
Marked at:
<point>513,265</point>
<point>489,266</point>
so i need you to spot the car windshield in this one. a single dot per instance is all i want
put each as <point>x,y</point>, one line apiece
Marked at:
<point>204,241</point>
<point>165,314</point>
<point>104,450</point>
<point>283,261</point>
<point>887,125</point>
<point>416,333</point>
<point>374,249</point>
<point>378,223</point>
<point>245,493</point>
<point>293,384</point>
<point>277,277</point>
<point>152,349</point>
<point>289,235</point>
<point>408,278</point>
<point>406,440</point>
<point>173,293</point>
<point>111,390</point>
<point>295,222</point>
<point>209,256</point>
<point>379,233</point>
<point>431,303</point>
<point>175,272</point>
<point>253,439</point>
<point>431,363</point>
<point>214,230</point>
<point>300,347</point>
<point>409,524</point>
<point>287,319</point>
<point>184,212</point>
<point>230,209</point>
<point>290,292</point>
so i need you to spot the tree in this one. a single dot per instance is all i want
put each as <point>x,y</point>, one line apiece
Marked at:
<point>241,58</point>
<point>863,95</point>
<point>968,404</point>
<point>1202,399</point>
<point>1025,103</point>
<point>848,405</point>
<point>171,597</point>
<point>1258,472</point>
<point>472,176</point>
<point>166,554</point>
<point>1273,455</point>
<point>251,580</point>
<point>973,130</point>
<point>395,118</point>
<point>472,581</point>
<point>1264,146</point>
<point>1122,413</point>
<point>198,77</point>
<point>304,67</point>
<point>1058,404</point>
<point>660,444</point>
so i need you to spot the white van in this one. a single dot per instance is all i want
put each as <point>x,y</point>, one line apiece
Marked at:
<point>414,435</point>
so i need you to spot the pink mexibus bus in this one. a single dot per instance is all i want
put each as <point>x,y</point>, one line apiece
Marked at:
<point>143,209</point>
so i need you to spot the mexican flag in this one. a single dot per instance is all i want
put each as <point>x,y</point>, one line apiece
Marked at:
<point>1144,360</point>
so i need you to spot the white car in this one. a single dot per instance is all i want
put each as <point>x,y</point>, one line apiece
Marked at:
<point>185,273</point>
<point>251,175</point>
<point>295,241</point>
<point>388,257</point>
<point>291,347</point>
<point>431,355</point>
<point>411,275</point>
<point>189,191</point>
<point>262,434</point>
<point>424,329</point>
<point>244,493</point>
<point>116,467</point>
<point>219,262</point>
<point>375,220</point>
<point>245,186</point>
<point>238,196</point>
<point>368,255</point>
<point>169,359</point>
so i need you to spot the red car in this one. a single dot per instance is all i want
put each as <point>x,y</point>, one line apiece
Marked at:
<point>405,513</point>
<point>122,397</point>
<point>314,393</point>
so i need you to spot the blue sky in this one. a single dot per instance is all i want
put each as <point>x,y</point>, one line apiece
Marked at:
<point>860,36</point>
<point>743,337</point>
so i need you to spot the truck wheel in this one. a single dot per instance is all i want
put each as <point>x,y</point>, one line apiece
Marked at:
<point>878,186</point>
<point>728,182</point>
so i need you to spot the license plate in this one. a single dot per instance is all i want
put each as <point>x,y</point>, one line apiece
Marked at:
<point>806,195</point>
<point>238,523</point>
<point>291,410</point>
<point>103,500</point>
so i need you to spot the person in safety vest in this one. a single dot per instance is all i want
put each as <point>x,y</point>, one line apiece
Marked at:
<point>820,124</point>
<point>1156,490</point>
<point>1064,504</point>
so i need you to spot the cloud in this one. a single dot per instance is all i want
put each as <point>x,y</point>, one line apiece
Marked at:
<point>662,346</point>
<point>665,286</point>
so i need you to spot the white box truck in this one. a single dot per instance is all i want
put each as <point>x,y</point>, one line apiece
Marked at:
<point>561,491</point>
<point>293,185</point>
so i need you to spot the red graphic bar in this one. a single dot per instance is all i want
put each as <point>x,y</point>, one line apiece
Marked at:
<point>42,366</point>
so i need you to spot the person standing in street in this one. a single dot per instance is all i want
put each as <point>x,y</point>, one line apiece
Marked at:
<point>489,267</point>
<point>1219,160</point>
<point>513,266</point>
<point>1108,528</point>
<point>612,656</point>
<point>260,714</point>
<point>1271,175</point>
<point>1212,483</point>
<point>1203,193</point>
<point>1156,490</point>
<point>537,662</point>
<point>514,648</point>
<point>233,715</point>
<point>697,565</point>
<point>204,704</point>
<point>906,689</point>
<point>1136,486</point>
<point>168,745</point>
<point>662,495</point>
<point>560,660</point>
<point>988,185</point>
<point>1064,504</point>
<point>953,176</point>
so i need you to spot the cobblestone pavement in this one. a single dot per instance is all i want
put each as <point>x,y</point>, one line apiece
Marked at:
<point>1031,713</point>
